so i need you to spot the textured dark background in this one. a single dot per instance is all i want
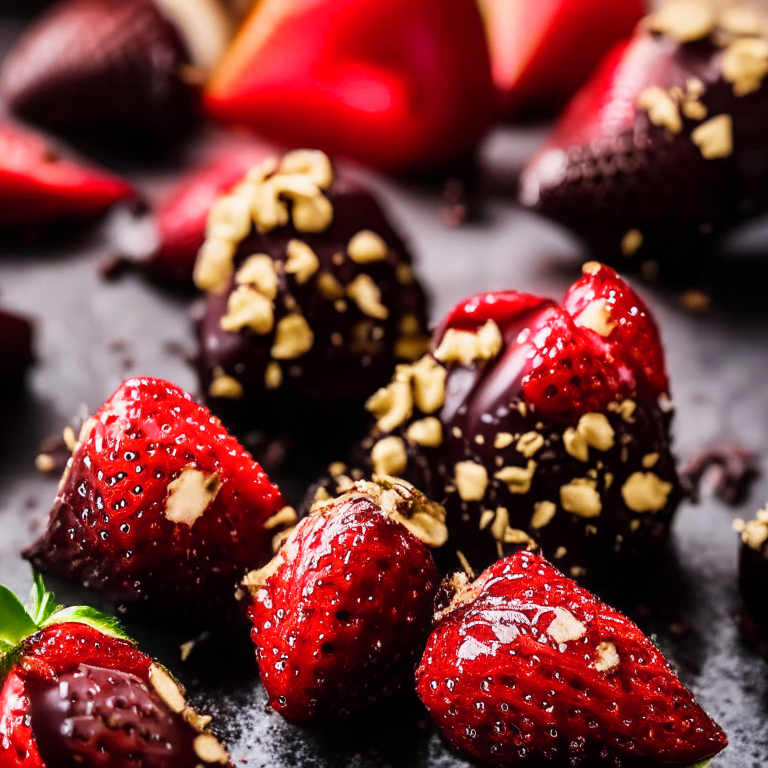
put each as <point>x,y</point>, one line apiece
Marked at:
<point>92,334</point>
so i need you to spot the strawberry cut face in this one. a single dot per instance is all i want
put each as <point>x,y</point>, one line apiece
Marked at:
<point>525,667</point>
<point>159,503</point>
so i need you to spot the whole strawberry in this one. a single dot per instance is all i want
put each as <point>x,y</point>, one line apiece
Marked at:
<point>341,614</point>
<point>159,505</point>
<point>526,668</point>
<point>75,693</point>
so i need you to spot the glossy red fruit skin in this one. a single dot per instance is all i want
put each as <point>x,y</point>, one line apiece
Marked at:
<point>342,622</point>
<point>383,81</point>
<point>39,185</point>
<point>108,529</point>
<point>541,53</point>
<point>607,170</point>
<point>110,71</point>
<point>507,688</point>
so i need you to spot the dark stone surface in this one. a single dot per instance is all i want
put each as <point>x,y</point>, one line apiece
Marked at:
<point>93,334</point>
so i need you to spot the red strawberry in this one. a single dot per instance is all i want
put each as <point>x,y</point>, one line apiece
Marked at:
<point>395,83</point>
<point>16,337</point>
<point>341,614</point>
<point>104,69</point>
<point>159,505</point>
<point>526,668</point>
<point>75,693</point>
<point>538,425</point>
<point>38,184</point>
<point>666,145</point>
<point>542,52</point>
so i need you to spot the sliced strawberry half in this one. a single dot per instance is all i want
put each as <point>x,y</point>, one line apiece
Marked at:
<point>526,668</point>
<point>39,184</point>
<point>159,505</point>
<point>74,691</point>
<point>396,83</point>
<point>542,52</point>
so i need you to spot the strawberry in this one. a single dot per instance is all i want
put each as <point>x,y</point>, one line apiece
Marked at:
<point>542,52</point>
<point>341,613</point>
<point>526,668</point>
<point>102,69</point>
<point>158,505</point>
<point>666,145</point>
<point>385,81</point>
<point>538,425</point>
<point>16,338</point>
<point>75,692</point>
<point>39,184</point>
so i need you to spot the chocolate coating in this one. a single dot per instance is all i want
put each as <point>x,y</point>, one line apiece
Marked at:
<point>102,718</point>
<point>352,353</point>
<point>16,334</point>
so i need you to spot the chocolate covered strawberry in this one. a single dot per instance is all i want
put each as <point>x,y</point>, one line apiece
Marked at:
<point>76,693</point>
<point>110,70</point>
<point>526,668</point>
<point>341,614</point>
<point>40,184</point>
<point>538,425</point>
<point>311,297</point>
<point>384,81</point>
<point>753,564</point>
<point>666,146</point>
<point>159,505</point>
<point>542,52</point>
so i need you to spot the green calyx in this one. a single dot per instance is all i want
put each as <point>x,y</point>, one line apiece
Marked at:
<point>18,620</point>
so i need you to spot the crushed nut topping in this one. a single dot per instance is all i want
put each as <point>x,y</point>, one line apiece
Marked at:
<point>259,272</point>
<point>715,137</point>
<point>755,532</point>
<point>293,338</point>
<point>329,287</point>
<point>225,386</point>
<point>247,308</point>
<point>428,384</point>
<point>580,497</point>
<point>517,479</point>
<point>208,749</point>
<point>286,516</point>
<point>466,347</point>
<point>645,492</point>
<point>565,627</point>
<point>214,265</point>
<point>543,512</point>
<point>503,439</point>
<point>389,457</point>
<point>597,317</point>
<point>367,246</point>
<point>426,432</point>
<point>529,443</point>
<point>593,431</point>
<point>273,375</point>
<point>404,274</point>
<point>745,64</point>
<point>684,20</point>
<point>167,689</point>
<point>661,108</point>
<point>650,460</point>
<point>625,409</point>
<point>302,261</point>
<point>632,242</point>
<point>471,480</point>
<point>393,405</point>
<point>229,218</point>
<point>190,494</point>
<point>367,295</point>
<point>607,657</point>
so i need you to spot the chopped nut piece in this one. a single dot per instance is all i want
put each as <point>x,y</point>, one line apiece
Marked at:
<point>427,432</point>
<point>745,64</point>
<point>715,137</point>
<point>190,494</point>
<point>684,20</point>
<point>404,274</point>
<point>70,440</point>
<point>650,460</point>
<point>259,272</point>
<point>471,480</point>
<point>412,347</point>
<point>293,338</point>
<point>225,386</point>
<point>392,405</point>
<point>580,497</point>
<point>167,689</point>
<point>543,512</point>
<point>645,492</point>
<point>367,295</point>
<point>575,444</point>
<point>625,409</point>
<point>367,246</point>
<point>529,443</point>
<point>409,324</point>
<point>517,479</point>
<point>302,261</point>
<point>694,110</point>
<point>45,463</point>
<point>755,534</point>
<point>389,456</point>
<point>310,162</point>
<point>661,108</point>
<point>208,749</point>
<point>229,218</point>
<point>500,523</point>
<point>329,287</point>
<point>591,267</point>
<point>213,268</point>
<point>597,431</point>
<point>489,341</point>
<point>247,308</point>
<point>503,439</point>
<point>465,347</point>
<point>607,657</point>
<point>744,21</point>
<point>286,516</point>
<point>268,210</point>
<point>596,316</point>
<point>486,518</point>
<point>294,185</point>
<point>312,214</point>
<point>273,376</point>
<point>632,242</point>
<point>565,627</point>
<point>429,384</point>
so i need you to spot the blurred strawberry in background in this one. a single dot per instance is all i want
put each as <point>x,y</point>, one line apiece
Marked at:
<point>398,84</point>
<point>542,51</point>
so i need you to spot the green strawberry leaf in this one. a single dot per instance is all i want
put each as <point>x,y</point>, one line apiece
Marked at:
<point>41,604</point>
<point>703,763</point>
<point>84,614</point>
<point>15,622</point>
